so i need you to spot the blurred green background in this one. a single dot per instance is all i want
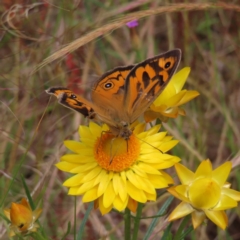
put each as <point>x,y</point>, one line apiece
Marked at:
<point>33,130</point>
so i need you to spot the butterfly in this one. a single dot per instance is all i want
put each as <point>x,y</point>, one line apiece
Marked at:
<point>123,94</point>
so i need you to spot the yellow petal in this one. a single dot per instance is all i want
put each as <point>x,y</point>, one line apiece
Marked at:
<point>166,146</point>
<point>103,209</point>
<point>119,204</point>
<point>153,138</point>
<point>103,183</point>
<point>168,178</point>
<point>158,181</point>
<point>84,132</point>
<point>181,210</point>
<point>75,158</point>
<point>151,197</point>
<point>74,181</point>
<point>139,171</point>
<point>204,169</point>
<point>139,128</point>
<point>85,187</point>
<point>95,129</point>
<point>74,146</point>
<point>155,157</point>
<point>65,166</point>
<point>133,179</point>
<point>37,213</point>
<point>123,176</point>
<point>120,187</point>
<point>148,169</point>
<point>197,218</point>
<point>231,193</point>
<point>139,182</point>
<point>25,203</point>
<point>218,217</point>
<point>184,174</point>
<point>84,167</point>
<point>180,78</point>
<point>174,86</point>
<point>146,185</point>
<point>109,195</point>
<point>73,191</point>
<point>7,213</point>
<point>153,130</point>
<point>225,203</point>
<point>179,192</point>
<point>116,183</point>
<point>136,193</point>
<point>90,195</point>
<point>221,173</point>
<point>92,174</point>
<point>176,99</point>
<point>100,176</point>
<point>166,164</point>
<point>189,95</point>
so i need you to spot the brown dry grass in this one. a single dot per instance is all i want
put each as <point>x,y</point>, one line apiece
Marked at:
<point>35,38</point>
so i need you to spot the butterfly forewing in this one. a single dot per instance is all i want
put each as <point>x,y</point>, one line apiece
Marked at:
<point>108,93</point>
<point>147,80</point>
<point>73,101</point>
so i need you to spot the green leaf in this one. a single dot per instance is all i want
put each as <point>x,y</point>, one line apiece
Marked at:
<point>155,220</point>
<point>28,194</point>
<point>81,229</point>
<point>67,232</point>
<point>181,227</point>
<point>167,235</point>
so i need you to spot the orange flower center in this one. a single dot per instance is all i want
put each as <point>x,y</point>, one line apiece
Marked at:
<point>115,153</point>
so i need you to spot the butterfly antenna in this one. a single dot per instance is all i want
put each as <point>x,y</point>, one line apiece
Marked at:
<point>111,155</point>
<point>100,139</point>
<point>150,144</point>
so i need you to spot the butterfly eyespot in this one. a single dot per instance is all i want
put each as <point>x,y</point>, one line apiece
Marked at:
<point>167,65</point>
<point>73,96</point>
<point>108,85</point>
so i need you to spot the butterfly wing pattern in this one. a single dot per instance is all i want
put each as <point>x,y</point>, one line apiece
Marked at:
<point>73,101</point>
<point>147,80</point>
<point>121,95</point>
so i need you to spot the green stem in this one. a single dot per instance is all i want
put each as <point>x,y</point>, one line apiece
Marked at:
<point>137,221</point>
<point>75,217</point>
<point>127,223</point>
<point>38,236</point>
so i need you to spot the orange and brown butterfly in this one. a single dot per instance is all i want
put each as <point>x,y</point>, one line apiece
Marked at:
<point>123,94</point>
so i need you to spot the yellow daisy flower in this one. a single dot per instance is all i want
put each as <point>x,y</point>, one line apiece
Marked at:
<point>167,104</point>
<point>22,218</point>
<point>204,193</point>
<point>117,173</point>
